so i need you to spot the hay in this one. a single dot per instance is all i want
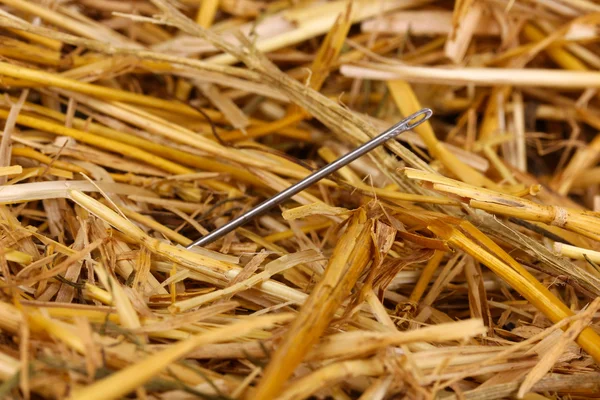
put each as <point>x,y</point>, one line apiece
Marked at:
<point>458,262</point>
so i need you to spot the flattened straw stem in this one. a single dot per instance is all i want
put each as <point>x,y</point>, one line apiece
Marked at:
<point>408,123</point>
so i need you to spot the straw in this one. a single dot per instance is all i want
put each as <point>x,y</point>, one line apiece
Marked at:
<point>460,260</point>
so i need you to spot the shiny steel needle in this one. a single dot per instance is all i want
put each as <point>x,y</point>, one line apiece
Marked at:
<point>404,125</point>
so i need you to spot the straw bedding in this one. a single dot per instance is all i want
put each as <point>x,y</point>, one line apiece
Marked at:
<point>457,262</point>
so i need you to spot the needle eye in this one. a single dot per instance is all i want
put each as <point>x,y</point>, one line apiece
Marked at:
<point>418,118</point>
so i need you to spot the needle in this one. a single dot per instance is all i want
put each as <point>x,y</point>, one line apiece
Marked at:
<point>406,124</point>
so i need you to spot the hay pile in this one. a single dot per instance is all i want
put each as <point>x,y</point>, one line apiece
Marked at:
<point>459,262</point>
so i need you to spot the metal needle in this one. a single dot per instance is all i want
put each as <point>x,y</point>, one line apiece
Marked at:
<point>404,125</point>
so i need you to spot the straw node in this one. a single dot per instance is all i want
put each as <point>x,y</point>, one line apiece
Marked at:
<point>560,217</point>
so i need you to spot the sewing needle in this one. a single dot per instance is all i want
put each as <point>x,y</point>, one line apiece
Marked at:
<point>406,124</point>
